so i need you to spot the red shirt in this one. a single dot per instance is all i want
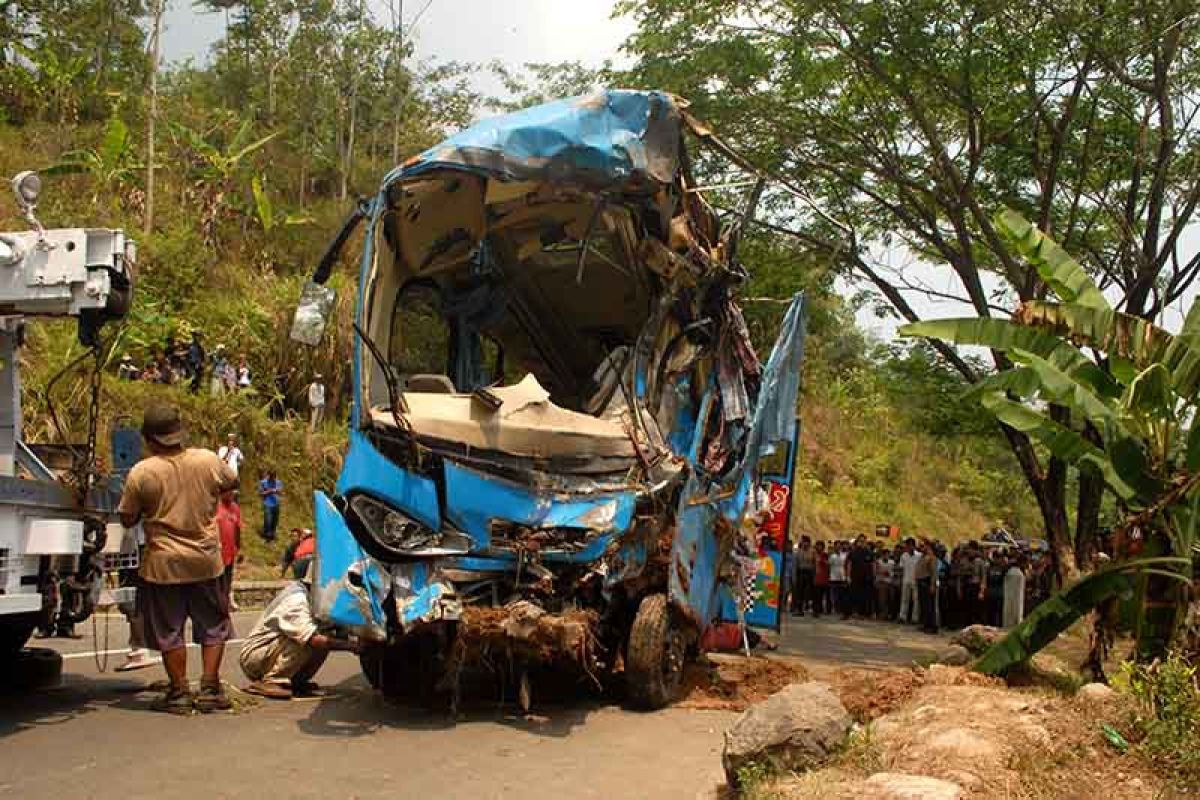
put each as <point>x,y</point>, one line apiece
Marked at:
<point>822,575</point>
<point>229,523</point>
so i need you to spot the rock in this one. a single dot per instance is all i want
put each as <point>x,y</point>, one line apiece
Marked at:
<point>1095,693</point>
<point>796,728</point>
<point>955,656</point>
<point>977,638</point>
<point>897,786</point>
<point>963,745</point>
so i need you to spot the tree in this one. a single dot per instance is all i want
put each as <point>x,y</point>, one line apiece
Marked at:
<point>1132,426</point>
<point>157,8</point>
<point>68,57</point>
<point>894,125</point>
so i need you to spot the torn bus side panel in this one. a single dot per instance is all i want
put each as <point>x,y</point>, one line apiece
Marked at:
<point>348,585</point>
<point>710,511</point>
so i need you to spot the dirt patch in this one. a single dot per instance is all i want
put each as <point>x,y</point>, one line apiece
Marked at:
<point>989,740</point>
<point>869,694</point>
<point>733,683</point>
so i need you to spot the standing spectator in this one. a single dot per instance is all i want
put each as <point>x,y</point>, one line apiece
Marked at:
<point>806,570</point>
<point>1014,593</point>
<point>975,584</point>
<point>196,358</point>
<point>219,366</point>
<point>861,567</point>
<point>910,604</point>
<point>943,575</point>
<point>231,454</point>
<point>820,580</point>
<point>927,579</point>
<point>229,524</point>
<point>230,377</point>
<point>837,579</point>
<point>299,554</point>
<point>243,373</point>
<point>269,489</point>
<point>173,493</point>
<point>884,566</point>
<point>994,599</point>
<point>1040,585</point>
<point>316,402</point>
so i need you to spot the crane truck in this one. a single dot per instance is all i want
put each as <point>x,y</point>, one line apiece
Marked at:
<point>59,532</point>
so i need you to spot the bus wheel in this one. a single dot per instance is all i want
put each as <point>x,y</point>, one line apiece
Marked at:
<point>656,654</point>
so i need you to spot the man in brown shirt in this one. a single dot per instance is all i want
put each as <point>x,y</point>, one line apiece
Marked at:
<point>173,493</point>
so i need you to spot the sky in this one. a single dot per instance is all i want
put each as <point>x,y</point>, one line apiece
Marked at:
<point>520,31</point>
<point>512,31</point>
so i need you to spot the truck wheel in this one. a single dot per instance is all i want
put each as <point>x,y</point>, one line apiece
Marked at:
<point>15,632</point>
<point>26,670</point>
<point>656,654</point>
<point>382,670</point>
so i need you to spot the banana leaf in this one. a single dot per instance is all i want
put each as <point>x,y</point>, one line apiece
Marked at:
<point>1063,274</point>
<point>1010,337</point>
<point>1060,440</point>
<point>1121,336</point>
<point>1055,615</point>
<point>1061,387</point>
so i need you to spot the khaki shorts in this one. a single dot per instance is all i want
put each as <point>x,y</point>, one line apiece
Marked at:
<point>166,607</point>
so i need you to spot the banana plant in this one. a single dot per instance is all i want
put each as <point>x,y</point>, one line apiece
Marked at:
<point>111,166</point>
<point>215,170</point>
<point>1132,421</point>
<point>264,208</point>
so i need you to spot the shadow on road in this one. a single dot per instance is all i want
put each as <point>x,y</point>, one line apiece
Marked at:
<point>75,697</point>
<point>357,710</point>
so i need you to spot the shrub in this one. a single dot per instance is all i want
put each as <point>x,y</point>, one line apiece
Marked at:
<point>1167,715</point>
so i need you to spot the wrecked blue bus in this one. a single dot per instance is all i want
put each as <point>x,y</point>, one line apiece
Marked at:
<point>558,416</point>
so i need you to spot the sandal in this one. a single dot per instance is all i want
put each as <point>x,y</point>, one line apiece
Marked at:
<point>174,701</point>
<point>274,691</point>
<point>212,697</point>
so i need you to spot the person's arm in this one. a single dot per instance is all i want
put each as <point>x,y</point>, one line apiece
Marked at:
<point>289,557</point>
<point>321,641</point>
<point>130,507</point>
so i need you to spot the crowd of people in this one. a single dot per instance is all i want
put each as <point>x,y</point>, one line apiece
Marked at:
<point>191,365</point>
<point>918,582</point>
<point>179,363</point>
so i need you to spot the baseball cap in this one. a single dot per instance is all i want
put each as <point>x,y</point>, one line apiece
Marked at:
<point>161,423</point>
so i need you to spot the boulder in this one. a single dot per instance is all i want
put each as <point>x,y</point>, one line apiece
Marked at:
<point>955,656</point>
<point>796,728</point>
<point>962,745</point>
<point>977,638</point>
<point>898,786</point>
<point>1095,693</point>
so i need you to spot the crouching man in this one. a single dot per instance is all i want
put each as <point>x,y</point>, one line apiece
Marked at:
<point>282,654</point>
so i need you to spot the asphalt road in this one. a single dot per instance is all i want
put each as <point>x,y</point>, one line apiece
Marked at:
<point>96,736</point>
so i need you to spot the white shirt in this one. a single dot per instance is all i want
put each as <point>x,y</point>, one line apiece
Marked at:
<point>316,394</point>
<point>908,565</point>
<point>233,457</point>
<point>837,568</point>
<point>289,615</point>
